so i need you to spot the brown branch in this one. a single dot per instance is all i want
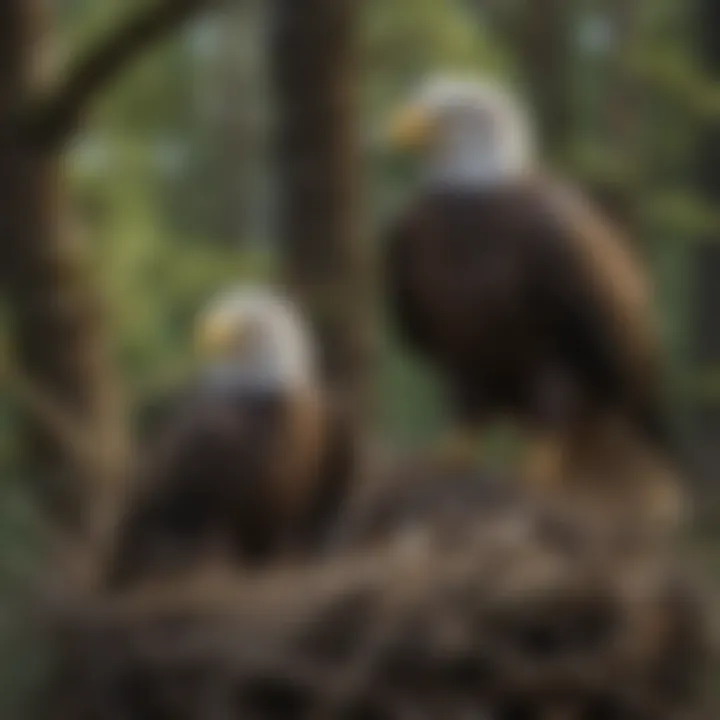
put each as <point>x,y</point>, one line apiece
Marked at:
<point>48,413</point>
<point>55,118</point>
<point>81,556</point>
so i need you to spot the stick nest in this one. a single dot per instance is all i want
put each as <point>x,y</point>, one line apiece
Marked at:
<point>498,610</point>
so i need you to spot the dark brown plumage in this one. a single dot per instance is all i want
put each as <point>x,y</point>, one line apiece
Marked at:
<point>242,478</point>
<point>529,303</point>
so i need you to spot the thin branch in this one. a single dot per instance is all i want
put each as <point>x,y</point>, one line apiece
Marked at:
<point>48,413</point>
<point>81,555</point>
<point>55,118</point>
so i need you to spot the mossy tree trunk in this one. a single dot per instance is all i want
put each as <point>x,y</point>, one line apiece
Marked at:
<point>326,261</point>
<point>707,268</point>
<point>73,430</point>
<point>54,313</point>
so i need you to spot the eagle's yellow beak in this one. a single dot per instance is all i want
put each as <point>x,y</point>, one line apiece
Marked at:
<point>411,128</point>
<point>218,336</point>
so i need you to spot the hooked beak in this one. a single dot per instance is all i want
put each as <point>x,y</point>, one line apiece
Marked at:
<point>218,337</point>
<point>412,128</point>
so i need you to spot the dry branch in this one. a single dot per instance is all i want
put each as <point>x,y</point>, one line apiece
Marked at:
<point>500,624</point>
<point>55,420</point>
<point>54,119</point>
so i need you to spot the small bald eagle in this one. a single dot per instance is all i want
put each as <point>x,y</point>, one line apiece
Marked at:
<point>251,462</point>
<point>510,282</point>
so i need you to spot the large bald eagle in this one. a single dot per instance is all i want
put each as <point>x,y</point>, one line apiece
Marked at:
<point>510,282</point>
<point>251,462</point>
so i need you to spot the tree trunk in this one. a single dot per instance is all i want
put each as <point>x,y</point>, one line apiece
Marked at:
<point>708,254</point>
<point>326,268</point>
<point>54,313</point>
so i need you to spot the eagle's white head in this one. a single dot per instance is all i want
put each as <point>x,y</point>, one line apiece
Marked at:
<point>252,338</point>
<point>470,132</point>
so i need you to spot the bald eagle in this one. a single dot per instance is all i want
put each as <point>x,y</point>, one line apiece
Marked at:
<point>247,465</point>
<point>510,282</point>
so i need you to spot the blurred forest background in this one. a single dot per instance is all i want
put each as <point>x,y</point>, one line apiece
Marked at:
<point>183,179</point>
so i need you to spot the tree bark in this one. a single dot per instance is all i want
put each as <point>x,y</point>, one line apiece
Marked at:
<point>326,263</point>
<point>707,271</point>
<point>56,316</point>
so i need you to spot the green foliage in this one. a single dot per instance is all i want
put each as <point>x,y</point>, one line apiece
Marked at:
<point>402,46</point>
<point>154,283</point>
<point>150,165</point>
<point>155,145</point>
<point>411,399</point>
